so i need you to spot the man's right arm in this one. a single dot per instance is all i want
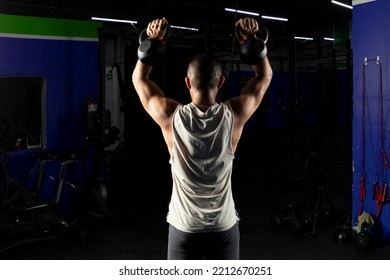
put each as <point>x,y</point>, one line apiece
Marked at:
<point>253,92</point>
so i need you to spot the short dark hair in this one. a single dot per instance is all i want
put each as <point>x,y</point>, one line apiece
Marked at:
<point>204,71</point>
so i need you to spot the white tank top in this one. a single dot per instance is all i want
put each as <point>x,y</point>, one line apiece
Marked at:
<point>201,162</point>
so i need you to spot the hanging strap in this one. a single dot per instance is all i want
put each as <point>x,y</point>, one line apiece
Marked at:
<point>380,192</point>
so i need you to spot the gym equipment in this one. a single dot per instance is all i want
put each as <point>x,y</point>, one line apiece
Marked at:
<point>151,51</point>
<point>26,217</point>
<point>280,221</point>
<point>103,134</point>
<point>380,194</point>
<point>343,235</point>
<point>286,216</point>
<point>300,223</point>
<point>319,213</point>
<point>306,222</point>
<point>12,194</point>
<point>254,49</point>
<point>13,136</point>
<point>295,225</point>
<point>379,156</point>
<point>364,239</point>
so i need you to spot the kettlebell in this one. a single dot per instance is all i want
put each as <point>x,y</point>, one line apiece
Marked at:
<point>151,51</point>
<point>254,49</point>
<point>343,235</point>
<point>364,239</point>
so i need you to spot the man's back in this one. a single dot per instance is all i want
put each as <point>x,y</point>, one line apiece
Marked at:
<point>201,162</point>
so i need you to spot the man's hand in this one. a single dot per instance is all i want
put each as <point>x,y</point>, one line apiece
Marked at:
<point>248,26</point>
<point>156,28</point>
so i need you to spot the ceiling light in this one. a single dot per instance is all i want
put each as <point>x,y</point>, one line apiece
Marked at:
<point>328,39</point>
<point>185,28</point>
<point>303,38</point>
<point>342,4</point>
<point>275,18</point>
<point>241,12</point>
<point>113,20</point>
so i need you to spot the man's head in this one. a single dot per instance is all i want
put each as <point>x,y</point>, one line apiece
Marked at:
<point>204,72</point>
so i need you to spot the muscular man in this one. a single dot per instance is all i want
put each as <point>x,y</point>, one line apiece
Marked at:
<point>201,138</point>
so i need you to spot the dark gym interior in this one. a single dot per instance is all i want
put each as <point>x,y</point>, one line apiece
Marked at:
<point>94,184</point>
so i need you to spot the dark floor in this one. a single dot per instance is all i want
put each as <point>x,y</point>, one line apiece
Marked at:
<point>268,175</point>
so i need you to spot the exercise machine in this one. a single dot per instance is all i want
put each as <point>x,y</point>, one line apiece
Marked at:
<point>25,216</point>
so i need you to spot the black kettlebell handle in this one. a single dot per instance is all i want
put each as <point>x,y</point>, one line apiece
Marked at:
<point>143,35</point>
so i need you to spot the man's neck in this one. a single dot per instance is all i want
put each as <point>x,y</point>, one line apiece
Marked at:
<point>203,100</point>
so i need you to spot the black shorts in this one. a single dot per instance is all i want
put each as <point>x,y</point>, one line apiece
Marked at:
<point>223,245</point>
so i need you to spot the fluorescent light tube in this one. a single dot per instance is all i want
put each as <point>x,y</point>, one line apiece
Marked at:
<point>275,18</point>
<point>113,20</point>
<point>241,12</point>
<point>342,4</point>
<point>303,38</point>
<point>185,28</point>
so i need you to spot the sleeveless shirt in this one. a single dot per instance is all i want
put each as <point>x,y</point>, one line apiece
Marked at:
<point>201,164</point>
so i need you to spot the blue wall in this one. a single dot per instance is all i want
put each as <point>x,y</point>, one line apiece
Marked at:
<point>71,72</point>
<point>70,66</point>
<point>369,40</point>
